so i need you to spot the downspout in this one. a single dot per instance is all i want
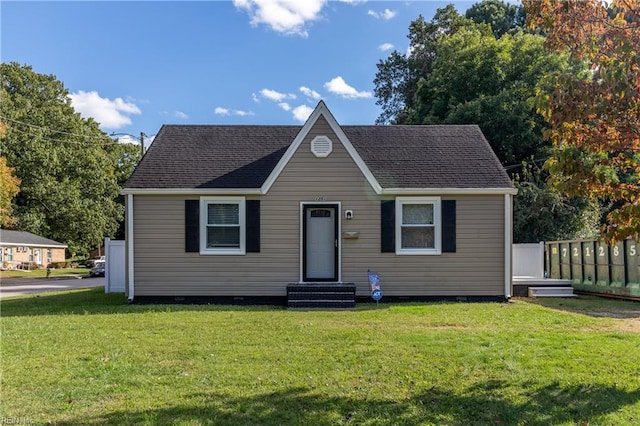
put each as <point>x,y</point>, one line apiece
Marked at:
<point>508,229</point>
<point>129,233</point>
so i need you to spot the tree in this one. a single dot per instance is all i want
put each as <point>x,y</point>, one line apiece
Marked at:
<point>68,183</point>
<point>502,17</point>
<point>595,116</point>
<point>477,78</point>
<point>124,157</point>
<point>397,77</point>
<point>9,187</point>
<point>485,69</point>
<point>540,213</point>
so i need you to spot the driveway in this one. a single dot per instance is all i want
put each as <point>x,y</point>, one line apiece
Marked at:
<point>19,286</point>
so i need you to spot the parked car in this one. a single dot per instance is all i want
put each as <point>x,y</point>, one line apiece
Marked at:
<point>92,262</point>
<point>98,269</point>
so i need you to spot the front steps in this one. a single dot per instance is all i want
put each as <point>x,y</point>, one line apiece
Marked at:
<point>551,292</point>
<point>321,296</point>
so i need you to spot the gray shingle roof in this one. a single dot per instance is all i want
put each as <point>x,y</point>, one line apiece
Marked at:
<point>441,156</point>
<point>26,239</point>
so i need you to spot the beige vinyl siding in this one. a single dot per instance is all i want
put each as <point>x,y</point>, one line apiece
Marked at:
<point>163,268</point>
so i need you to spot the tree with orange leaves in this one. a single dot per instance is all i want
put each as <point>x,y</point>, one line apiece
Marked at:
<point>595,117</point>
<point>9,188</point>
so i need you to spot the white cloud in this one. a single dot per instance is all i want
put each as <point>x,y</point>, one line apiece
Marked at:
<point>255,98</point>
<point>385,14</point>
<point>123,138</point>
<point>274,96</point>
<point>111,114</point>
<point>227,112</point>
<point>353,1</point>
<point>127,139</point>
<point>285,106</point>
<point>302,112</point>
<point>339,87</point>
<point>283,16</point>
<point>385,46</point>
<point>176,114</point>
<point>310,93</point>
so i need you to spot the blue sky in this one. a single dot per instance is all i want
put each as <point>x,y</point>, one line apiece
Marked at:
<point>134,66</point>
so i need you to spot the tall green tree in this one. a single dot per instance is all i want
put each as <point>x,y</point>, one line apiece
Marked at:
<point>502,17</point>
<point>480,79</point>
<point>68,177</point>
<point>398,76</point>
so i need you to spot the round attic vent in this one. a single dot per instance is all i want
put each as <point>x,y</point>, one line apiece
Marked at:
<point>321,146</point>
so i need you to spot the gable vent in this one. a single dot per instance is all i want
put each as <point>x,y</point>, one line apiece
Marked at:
<point>321,146</point>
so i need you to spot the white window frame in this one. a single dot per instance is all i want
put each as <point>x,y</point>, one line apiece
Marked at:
<point>437,224</point>
<point>204,202</point>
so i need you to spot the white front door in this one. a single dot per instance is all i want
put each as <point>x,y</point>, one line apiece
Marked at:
<point>320,243</point>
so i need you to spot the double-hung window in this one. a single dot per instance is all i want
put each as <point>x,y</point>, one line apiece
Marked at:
<point>222,225</point>
<point>418,229</point>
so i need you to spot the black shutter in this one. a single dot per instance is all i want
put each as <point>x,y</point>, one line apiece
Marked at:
<point>448,226</point>
<point>388,226</point>
<point>192,226</point>
<point>252,220</point>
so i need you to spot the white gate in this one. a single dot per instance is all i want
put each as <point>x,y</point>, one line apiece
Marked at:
<point>114,270</point>
<point>528,260</point>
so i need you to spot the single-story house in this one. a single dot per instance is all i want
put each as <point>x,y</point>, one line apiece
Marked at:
<point>24,249</point>
<point>250,210</point>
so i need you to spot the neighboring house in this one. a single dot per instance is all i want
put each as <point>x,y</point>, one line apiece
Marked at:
<point>242,211</point>
<point>24,249</point>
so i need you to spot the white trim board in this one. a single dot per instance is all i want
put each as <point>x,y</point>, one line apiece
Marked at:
<point>129,238</point>
<point>191,191</point>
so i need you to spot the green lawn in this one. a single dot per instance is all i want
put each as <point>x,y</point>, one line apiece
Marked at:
<point>84,357</point>
<point>42,273</point>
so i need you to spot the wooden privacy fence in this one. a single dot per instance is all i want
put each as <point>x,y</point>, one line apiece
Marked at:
<point>596,267</point>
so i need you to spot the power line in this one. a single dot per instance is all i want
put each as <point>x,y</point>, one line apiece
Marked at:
<point>515,166</point>
<point>105,138</point>
<point>52,130</point>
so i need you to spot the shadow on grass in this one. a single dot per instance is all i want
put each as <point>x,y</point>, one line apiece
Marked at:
<point>95,301</point>
<point>483,404</point>
<point>593,306</point>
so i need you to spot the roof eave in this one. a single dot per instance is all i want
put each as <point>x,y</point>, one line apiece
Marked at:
<point>193,191</point>
<point>27,244</point>
<point>452,191</point>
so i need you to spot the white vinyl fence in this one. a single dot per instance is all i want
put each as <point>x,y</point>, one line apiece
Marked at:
<point>528,260</point>
<point>114,271</point>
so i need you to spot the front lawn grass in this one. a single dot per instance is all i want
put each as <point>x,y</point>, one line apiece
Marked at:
<point>85,357</point>
<point>42,273</point>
